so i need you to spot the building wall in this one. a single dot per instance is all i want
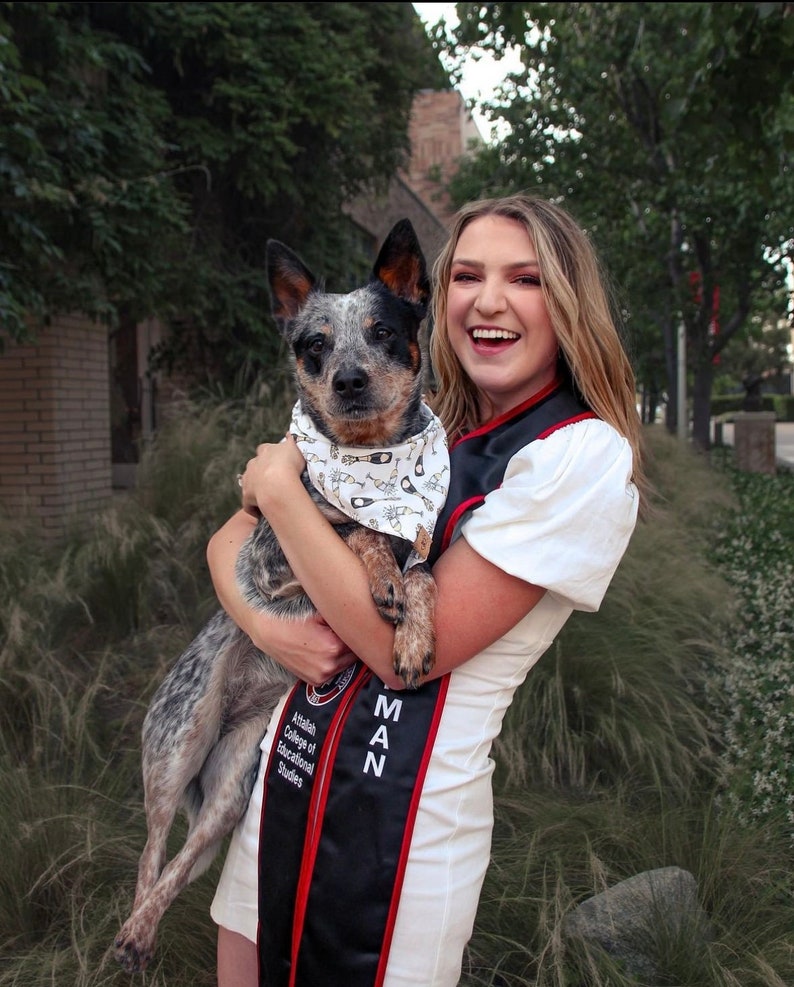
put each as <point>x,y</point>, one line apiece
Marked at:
<point>378,215</point>
<point>55,424</point>
<point>441,132</point>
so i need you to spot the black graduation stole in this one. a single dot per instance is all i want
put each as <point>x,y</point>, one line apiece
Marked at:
<point>341,793</point>
<point>478,460</point>
<point>347,766</point>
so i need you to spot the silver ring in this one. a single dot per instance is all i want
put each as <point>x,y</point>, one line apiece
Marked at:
<point>239,479</point>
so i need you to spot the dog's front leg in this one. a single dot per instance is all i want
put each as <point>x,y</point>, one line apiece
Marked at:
<point>407,601</point>
<point>385,578</point>
<point>415,635</point>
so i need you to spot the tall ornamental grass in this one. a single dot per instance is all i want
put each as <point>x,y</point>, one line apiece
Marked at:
<point>624,750</point>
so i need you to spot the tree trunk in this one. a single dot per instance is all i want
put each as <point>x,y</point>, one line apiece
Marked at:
<point>670,366</point>
<point>701,404</point>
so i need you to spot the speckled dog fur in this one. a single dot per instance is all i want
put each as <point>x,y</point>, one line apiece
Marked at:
<point>357,366</point>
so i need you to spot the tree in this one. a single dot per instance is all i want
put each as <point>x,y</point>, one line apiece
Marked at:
<point>147,152</point>
<point>761,356</point>
<point>667,129</point>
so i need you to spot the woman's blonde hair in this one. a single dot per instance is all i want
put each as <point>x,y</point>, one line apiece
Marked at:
<point>575,292</point>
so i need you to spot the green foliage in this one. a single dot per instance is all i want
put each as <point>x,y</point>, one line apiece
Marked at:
<point>760,354</point>
<point>754,550</point>
<point>187,477</point>
<point>667,129</point>
<point>781,405</point>
<point>72,850</point>
<point>90,219</point>
<point>147,152</point>
<point>549,854</point>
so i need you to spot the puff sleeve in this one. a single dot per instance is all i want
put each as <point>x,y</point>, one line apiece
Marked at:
<point>564,513</point>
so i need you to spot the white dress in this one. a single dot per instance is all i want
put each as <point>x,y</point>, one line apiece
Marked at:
<point>561,519</point>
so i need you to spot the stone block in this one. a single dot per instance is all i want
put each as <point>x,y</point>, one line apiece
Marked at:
<point>632,919</point>
<point>754,441</point>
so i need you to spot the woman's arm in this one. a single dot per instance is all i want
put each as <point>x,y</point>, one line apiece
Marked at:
<point>308,648</point>
<point>477,601</point>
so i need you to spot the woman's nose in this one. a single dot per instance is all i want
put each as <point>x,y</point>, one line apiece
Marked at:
<point>490,298</point>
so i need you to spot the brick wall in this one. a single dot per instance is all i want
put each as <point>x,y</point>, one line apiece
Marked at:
<point>441,131</point>
<point>378,215</point>
<point>55,424</point>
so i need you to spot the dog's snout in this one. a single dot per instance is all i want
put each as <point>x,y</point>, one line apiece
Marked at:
<point>350,383</point>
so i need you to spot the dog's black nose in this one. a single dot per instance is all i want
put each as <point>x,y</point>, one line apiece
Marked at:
<point>350,383</point>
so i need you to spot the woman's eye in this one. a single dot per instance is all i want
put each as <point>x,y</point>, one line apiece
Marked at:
<point>529,279</point>
<point>464,277</point>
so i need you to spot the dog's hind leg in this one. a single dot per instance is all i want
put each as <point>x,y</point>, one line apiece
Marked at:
<point>166,792</point>
<point>226,781</point>
<point>175,748</point>
<point>160,814</point>
<point>179,731</point>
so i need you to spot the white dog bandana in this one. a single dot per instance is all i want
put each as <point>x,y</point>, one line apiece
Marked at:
<point>398,489</point>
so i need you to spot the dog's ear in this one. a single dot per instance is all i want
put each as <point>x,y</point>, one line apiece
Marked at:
<point>401,265</point>
<point>290,280</point>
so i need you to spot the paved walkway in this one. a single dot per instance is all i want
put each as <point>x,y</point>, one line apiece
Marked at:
<point>784,441</point>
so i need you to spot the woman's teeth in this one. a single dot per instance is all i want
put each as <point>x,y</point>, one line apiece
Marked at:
<point>493,334</point>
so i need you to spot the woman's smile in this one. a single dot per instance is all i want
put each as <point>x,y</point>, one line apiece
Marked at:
<point>491,337</point>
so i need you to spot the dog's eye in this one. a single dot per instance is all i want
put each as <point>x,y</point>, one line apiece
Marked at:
<point>381,332</point>
<point>316,346</point>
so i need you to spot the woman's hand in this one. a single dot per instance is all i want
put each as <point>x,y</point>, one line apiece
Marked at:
<point>269,476</point>
<point>308,648</point>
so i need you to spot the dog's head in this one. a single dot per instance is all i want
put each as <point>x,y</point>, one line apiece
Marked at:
<point>357,357</point>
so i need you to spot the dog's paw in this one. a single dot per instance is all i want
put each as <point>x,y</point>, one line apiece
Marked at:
<point>388,592</point>
<point>133,955</point>
<point>414,655</point>
<point>389,600</point>
<point>412,671</point>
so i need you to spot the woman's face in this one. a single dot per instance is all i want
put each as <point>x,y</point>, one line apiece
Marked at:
<point>497,320</point>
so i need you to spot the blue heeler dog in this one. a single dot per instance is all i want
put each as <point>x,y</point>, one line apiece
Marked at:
<point>357,368</point>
